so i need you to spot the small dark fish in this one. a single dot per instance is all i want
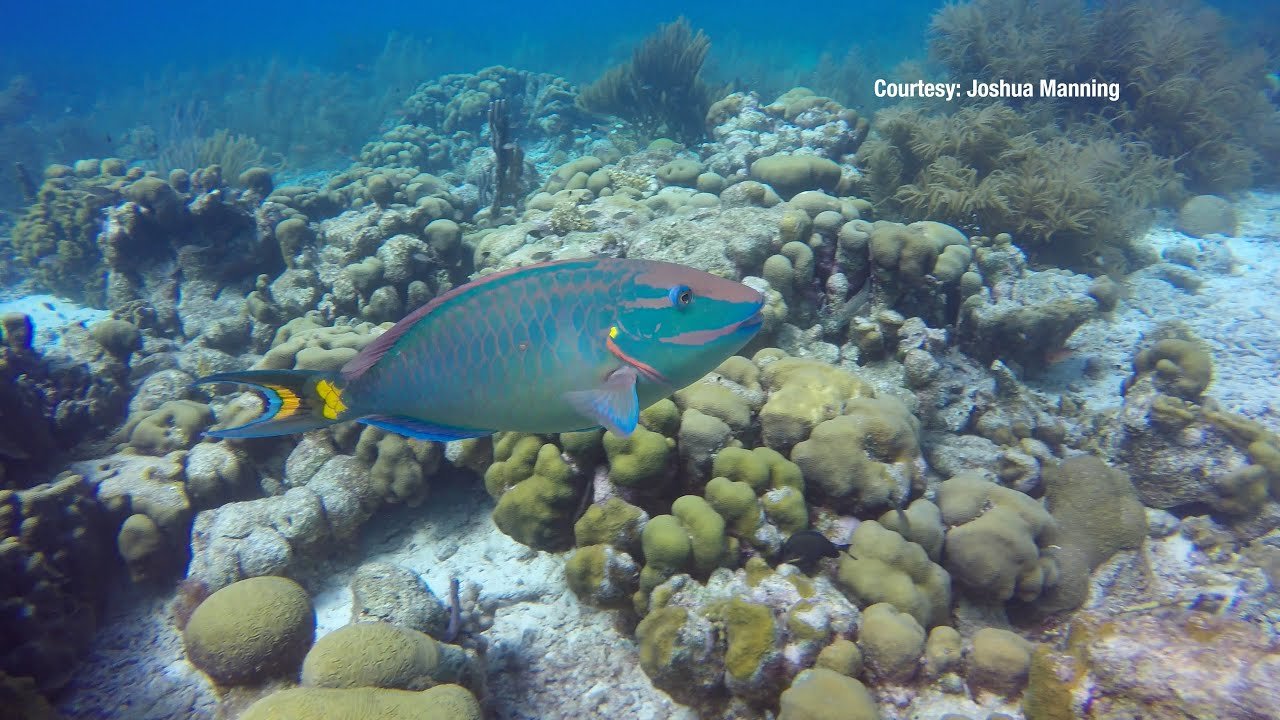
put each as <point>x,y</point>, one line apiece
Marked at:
<point>25,183</point>
<point>806,547</point>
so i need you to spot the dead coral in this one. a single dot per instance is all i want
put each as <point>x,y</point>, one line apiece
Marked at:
<point>660,88</point>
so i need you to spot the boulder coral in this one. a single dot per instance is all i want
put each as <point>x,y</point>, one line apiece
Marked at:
<point>882,567</point>
<point>1096,514</point>
<point>776,487</point>
<point>1207,215</point>
<point>892,643</point>
<point>691,539</point>
<point>382,655</point>
<point>821,694</point>
<point>444,702</point>
<point>1000,661</point>
<point>399,467</point>
<point>602,575</point>
<point>791,174</point>
<point>741,636</point>
<point>175,425</point>
<point>251,630</point>
<point>798,122</point>
<point>537,491</point>
<point>997,544</point>
<point>1183,368</point>
<point>865,459</point>
<point>802,394</point>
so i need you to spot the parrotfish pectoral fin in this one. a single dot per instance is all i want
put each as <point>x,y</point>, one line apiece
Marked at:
<point>421,430</point>
<point>296,401</point>
<point>613,405</point>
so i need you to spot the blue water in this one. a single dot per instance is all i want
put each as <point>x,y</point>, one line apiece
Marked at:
<point>94,72</point>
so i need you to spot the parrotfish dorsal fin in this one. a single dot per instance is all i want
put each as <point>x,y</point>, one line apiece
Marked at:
<point>614,404</point>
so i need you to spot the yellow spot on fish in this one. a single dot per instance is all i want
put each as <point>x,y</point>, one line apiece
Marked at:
<point>613,332</point>
<point>289,402</point>
<point>332,396</point>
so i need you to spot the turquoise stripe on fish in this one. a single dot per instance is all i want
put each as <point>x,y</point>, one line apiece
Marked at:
<point>547,348</point>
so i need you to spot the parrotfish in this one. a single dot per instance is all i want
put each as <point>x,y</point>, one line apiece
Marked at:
<point>555,347</point>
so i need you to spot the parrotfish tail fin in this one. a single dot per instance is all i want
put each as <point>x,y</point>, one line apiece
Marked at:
<point>296,401</point>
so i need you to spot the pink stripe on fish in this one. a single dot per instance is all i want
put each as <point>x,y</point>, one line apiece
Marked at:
<point>698,337</point>
<point>644,369</point>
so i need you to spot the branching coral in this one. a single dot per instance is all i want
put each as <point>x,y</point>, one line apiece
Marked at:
<point>233,153</point>
<point>660,88</point>
<point>984,169</point>
<point>1184,88</point>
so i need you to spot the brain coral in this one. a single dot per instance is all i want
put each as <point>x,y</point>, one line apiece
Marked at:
<point>251,630</point>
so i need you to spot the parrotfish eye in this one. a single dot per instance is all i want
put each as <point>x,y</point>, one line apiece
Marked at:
<point>680,296</point>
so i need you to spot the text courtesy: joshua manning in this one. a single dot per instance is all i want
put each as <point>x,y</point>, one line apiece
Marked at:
<point>998,89</point>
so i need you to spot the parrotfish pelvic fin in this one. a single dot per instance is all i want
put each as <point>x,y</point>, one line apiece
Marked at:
<point>296,401</point>
<point>614,405</point>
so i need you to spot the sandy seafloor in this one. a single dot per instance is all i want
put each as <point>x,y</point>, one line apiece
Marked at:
<point>551,657</point>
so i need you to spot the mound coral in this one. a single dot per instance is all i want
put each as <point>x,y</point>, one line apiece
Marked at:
<point>882,567</point>
<point>57,237</point>
<point>997,543</point>
<point>741,636</point>
<point>864,458</point>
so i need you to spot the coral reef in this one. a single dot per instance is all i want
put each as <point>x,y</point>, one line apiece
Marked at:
<point>96,230</point>
<point>51,402</point>
<point>934,398</point>
<point>54,572</point>
<point>799,122</point>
